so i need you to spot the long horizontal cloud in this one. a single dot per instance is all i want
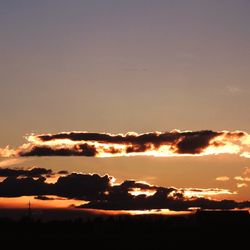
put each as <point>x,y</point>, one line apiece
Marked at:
<point>102,193</point>
<point>164,198</point>
<point>33,172</point>
<point>166,144</point>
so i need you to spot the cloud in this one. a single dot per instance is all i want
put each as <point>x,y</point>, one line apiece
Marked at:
<point>240,178</point>
<point>246,154</point>
<point>75,186</point>
<point>156,138</point>
<point>82,186</point>
<point>241,185</point>
<point>62,172</point>
<point>233,90</point>
<point>204,192</point>
<point>78,150</point>
<point>100,192</point>
<point>164,144</point>
<point>243,179</point>
<point>15,187</point>
<point>164,198</point>
<point>222,178</point>
<point>246,171</point>
<point>33,172</point>
<point>44,198</point>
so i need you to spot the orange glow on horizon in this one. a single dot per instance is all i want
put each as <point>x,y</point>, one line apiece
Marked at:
<point>53,202</point>
<point>137,212</point>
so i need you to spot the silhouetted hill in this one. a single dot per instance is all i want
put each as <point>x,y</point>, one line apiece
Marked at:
<point>204,229</point>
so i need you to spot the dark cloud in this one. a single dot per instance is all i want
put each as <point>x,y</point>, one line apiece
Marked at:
<point>167,144</point>
<point>63,172</point>
<point>141,139</point>
<point>101,194</point>
<point>119,198</point>
<point>34,172</point>
<point>122,200</point>
<point>75,186</point>
<point>131,184</point>
<point>82,186</point>
<point>195,143</point>
<point>78,150</point>
<point>186,142</point>
<point>174,143</point>
<point>44,198</point>
<point>14,187</point>
<point>137,148</point>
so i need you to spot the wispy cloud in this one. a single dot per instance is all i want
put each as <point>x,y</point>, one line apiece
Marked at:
<point>246,171</point>
<point>233,90</point>
<point>222,178</point>
<point>241,178</point>
<point>241,185</point>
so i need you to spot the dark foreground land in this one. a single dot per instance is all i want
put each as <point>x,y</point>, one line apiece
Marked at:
<point>203,230</point>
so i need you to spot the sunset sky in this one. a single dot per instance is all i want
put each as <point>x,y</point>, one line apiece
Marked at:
<point>113,67</point>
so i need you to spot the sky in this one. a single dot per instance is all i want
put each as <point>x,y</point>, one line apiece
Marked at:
<point>118,66</point>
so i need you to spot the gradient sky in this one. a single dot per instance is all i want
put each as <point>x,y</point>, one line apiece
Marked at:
<point>117,66</point>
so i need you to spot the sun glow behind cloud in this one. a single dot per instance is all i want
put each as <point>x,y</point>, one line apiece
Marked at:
<point>187,193</point>
<point>206,192</point>
<point>139,191</point>
<point>138,212</point>
<point>156,144</point>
